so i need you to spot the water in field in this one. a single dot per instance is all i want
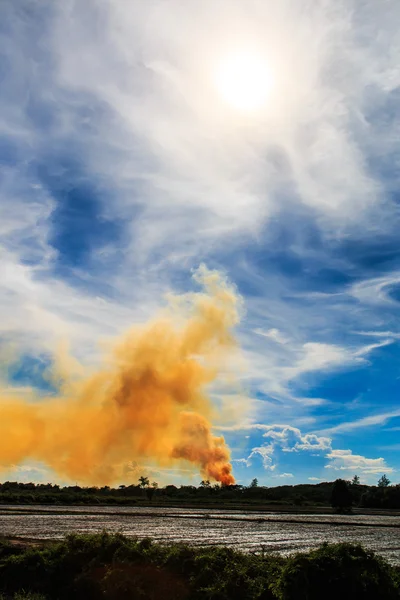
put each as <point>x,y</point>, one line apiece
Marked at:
<point>246,531</point>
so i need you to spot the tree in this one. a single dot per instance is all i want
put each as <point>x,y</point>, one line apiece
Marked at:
<point>151,490</point>
<point>384,482</point>
<point>205,483</point>
<point>254,483</point>
<point>341,496</point>
<point>144,482</point>
<point>355,480</point>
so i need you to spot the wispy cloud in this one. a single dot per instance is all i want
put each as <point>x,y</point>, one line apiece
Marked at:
<point>273,334</point>
<point>379,334</point>
<point>376,290</point>
<point>364,422</point>
<point>121,168</point>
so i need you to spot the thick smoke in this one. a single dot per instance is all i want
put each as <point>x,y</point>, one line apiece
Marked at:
<point>148,401</point>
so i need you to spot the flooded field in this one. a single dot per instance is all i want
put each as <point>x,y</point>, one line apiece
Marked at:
<point>246,531</point>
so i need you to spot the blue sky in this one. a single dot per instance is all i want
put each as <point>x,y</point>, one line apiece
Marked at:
<point>122,169</point>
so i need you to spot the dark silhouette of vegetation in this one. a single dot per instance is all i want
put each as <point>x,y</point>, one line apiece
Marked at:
<point>337,571</point>
<point>286,497</point>
<point>341,498</point>
<point>385,497</point>
<point>113,567</point>
<point>144,482</point>
<point>23,596</point>
<point>384,481</point>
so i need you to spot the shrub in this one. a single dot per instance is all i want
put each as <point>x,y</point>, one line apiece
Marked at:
<point>337,571</point>
<point>114,567</point>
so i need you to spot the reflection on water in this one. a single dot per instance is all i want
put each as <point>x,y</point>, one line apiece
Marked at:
<point>247,531</point>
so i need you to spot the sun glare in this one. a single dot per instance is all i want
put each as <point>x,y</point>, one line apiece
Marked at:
<point>244,81</point>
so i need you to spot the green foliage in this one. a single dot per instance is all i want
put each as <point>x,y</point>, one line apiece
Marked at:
<point>337,571</point>
<point>113,567</point>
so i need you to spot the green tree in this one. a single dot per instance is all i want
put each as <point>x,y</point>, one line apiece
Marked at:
<point>341,496</point>
<point>384,481</point>
<point>355,480</point>
<point>254,483</point>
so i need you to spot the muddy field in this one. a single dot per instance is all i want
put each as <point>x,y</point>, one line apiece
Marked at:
<point>247,531</point>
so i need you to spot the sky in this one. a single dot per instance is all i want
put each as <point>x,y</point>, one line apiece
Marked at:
<point>128,157</point>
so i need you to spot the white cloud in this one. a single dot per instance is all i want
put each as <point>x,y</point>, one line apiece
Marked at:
<point>370,347</point>
<point>376,290</point>
<point>385,334</point>
<point>316,356</point>
<point>273,334</point>
<point>37,313</point>
<point>314,479</point>
<point>205,173</point>
<point>345,460</point>
<point>209,158</point>
<point>190,177</point>
<point>290,439</point>
<point>278,370</point>
<point>373,420</point>
<point>265,452</point>
<point>27,473</point>
<point>285,438</point>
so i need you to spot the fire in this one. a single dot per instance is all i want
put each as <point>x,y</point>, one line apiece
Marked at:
<point>147,401</point>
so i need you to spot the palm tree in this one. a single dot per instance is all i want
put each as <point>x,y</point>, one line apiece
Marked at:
<point>144,482</point>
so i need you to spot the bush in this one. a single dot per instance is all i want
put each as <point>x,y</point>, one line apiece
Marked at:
<point>113,567</point>
<point>335,572</point>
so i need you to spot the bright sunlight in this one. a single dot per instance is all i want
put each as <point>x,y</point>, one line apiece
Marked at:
<point>244,80</point>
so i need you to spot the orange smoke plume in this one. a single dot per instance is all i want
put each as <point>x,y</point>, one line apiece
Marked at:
<point>147,402</point>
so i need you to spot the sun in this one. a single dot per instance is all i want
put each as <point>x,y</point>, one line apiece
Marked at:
<point>243,80</point>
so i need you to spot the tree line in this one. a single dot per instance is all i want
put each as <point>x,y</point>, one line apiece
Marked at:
<point>339,494</point>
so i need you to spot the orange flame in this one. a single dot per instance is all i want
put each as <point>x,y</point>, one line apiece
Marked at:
<point>147,402</point>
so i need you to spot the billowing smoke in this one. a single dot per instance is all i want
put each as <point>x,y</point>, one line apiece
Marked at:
<point>148,401</point>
